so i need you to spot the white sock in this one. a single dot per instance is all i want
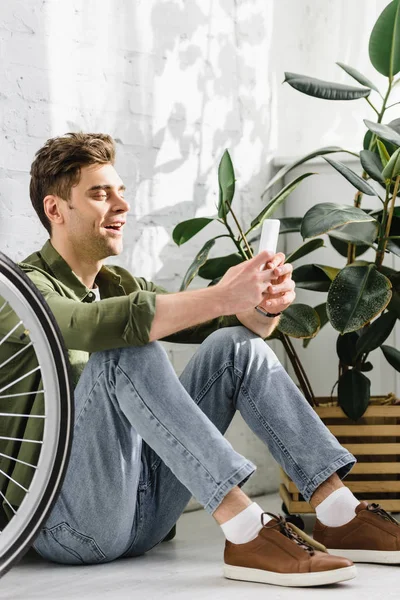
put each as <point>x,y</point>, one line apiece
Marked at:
<point>245,526</point>
<point>338,508</point>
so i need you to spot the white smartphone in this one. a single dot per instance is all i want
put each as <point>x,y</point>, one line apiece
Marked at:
<point>269,236</point>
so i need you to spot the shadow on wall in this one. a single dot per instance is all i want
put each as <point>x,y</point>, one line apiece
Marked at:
<point>24,106</point>
<point>194,146</point>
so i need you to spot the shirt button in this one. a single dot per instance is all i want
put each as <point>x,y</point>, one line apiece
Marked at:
<point>91,295</point>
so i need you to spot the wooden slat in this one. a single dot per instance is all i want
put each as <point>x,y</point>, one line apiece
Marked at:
<point>363,449</point>
<point>374,468</point>
<point>365,430</point>
<point>372,411</point>
<point>360,486</point>
<point>360,468</point>
<point>306,508</point>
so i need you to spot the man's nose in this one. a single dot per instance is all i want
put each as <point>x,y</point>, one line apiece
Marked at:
<point>121,204</point>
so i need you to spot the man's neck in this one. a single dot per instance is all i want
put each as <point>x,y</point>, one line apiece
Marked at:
<point>84,269</point>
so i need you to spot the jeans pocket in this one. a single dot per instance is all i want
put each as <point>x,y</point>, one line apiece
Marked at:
<point>65,545</point>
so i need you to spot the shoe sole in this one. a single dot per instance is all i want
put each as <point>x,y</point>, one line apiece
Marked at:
<point>290,579</point>
<point>389,557</point>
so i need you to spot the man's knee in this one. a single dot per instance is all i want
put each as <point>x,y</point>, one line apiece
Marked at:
<point>240,342</point>
<point>147,354</point>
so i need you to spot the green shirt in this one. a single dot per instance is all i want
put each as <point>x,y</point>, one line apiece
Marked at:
<point>122,318</point>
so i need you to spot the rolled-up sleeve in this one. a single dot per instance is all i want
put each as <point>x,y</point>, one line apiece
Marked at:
<point>110,323</point>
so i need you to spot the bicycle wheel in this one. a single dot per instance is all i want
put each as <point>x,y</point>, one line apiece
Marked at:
<point>17,293</point>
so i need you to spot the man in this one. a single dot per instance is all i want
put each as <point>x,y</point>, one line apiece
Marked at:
<point>145,441</point>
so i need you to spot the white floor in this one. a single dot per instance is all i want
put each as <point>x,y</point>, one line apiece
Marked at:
<point>189,567</point>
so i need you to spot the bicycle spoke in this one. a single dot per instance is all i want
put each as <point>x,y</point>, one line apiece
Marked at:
<point>10,333</point>
<point>19,379</point>
<point>21,415</point>
<point>4,305</point>
<point>22,394</point>
<point>14,481</point>
<point>4,498</point>
<point>2,437</point>
<point>18,460</point>
<point>15,355</point>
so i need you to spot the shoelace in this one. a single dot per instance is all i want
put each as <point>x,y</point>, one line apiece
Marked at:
<point>287,531</point>
<point>377,509</point>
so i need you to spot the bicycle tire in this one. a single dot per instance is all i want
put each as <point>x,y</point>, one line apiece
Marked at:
<point>51,481</point>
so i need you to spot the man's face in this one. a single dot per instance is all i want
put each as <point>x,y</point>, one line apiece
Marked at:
<point>95,215</point>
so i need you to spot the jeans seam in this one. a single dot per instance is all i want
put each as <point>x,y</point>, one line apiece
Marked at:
<point>88,398</point>
<point>275,438</point>
<point>223,487</point>
<point>216,375</point>
<point>165,429</point>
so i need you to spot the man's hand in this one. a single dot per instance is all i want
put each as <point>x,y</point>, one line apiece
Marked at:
<point>278,296</point>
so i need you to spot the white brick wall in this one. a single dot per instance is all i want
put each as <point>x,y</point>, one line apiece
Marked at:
<point>175,82</point>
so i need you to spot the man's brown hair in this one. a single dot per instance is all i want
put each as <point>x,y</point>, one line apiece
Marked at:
<point>57,166</point>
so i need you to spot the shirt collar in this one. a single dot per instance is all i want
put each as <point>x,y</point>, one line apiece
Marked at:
<point>62,271</point>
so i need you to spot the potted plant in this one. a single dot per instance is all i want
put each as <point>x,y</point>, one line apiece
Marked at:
<point>363,297</point>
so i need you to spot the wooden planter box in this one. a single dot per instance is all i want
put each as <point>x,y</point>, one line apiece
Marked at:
<point>375,442</point>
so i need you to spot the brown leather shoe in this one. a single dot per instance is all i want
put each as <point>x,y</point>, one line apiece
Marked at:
<point>281,554</point>
<point>372,536</point>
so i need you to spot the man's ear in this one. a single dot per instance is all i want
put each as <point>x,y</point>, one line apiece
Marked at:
<point>51,206</point>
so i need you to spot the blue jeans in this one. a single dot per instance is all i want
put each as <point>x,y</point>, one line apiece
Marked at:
<point>145,442</point>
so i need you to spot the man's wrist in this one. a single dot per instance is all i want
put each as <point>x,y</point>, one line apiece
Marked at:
<point>265,313</point>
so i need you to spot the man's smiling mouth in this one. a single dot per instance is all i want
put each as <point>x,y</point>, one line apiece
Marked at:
<point>115,227</point>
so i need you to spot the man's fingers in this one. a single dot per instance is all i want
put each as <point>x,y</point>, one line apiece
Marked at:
<point>286,269</point>
<point>262,258</point>
<point>278,260</point>
<point>286,286</point>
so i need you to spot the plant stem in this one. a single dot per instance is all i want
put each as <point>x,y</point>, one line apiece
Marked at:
<point>287,344</point>
<point>351,249</point>
<point>380,253</point>
<point>232,235</point>
<point>372,106</point>
<point>242,234</point>
<point>298,369</point>
<point>391,209</point>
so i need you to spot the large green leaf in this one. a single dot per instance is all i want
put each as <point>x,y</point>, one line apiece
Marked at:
<point>299,321</point>
<point>287,168</point>
<point>327,90</point>
<point>358,182</point>
<point>354,393</point>
<point>320,309</point>
<point>346,348</point>
<point>199,260</point>
<point>385,132</point>
<point>373,336</point>
<point>277,201</point>
<point>392,355</point>
<point>384,42</point>
<point>392,169</point>
<point>360,234</point>
<point>343,247</point>
<point>217,267</point>
<point>394,247</point>
<point>394,304</point>
<point>356,296</point>
<point>187,229</point>
<point>358,76</point>
<point>226,180</point>
<point>372,165</point>
<point>314,277</point>
<point>326,216</point>
<point>305,249</point>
